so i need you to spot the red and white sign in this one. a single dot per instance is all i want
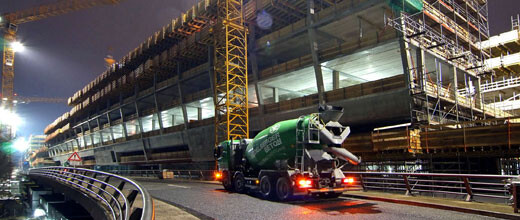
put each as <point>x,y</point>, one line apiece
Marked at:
<point>74,157</point>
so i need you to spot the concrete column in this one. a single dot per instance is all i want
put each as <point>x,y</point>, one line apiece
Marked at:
<point>420,71</point>
<point>90,131</point>
<point>254,69</point>
<point>100,129</point>
<point>335,79</point>
<point>157,109</point>
<point>183,106</point>
<point>455,89</point>
<point>478,94</point>
<point>139,120</point>
<point>405,54</point>
<point>83,135</point>
<point>314,52</point>
<point>276,95</point>
<point>125,133</point>
<point>110,126</point>
<point>211,67</point>
<point>199,114</point>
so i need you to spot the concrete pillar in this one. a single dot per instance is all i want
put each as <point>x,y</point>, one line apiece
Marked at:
<point>335,79</point>
<point>254,68</point>
<point>157,108</point>
<point>100,130</point>
<point>421,67</point>
<point>199,114</point>
<point>478,94</point>
<point>125,133</point>
<point>183,106</point>
<point>455,89</point>
<point>110,126</point>
<point>314,51</point>
<point>276,95</point>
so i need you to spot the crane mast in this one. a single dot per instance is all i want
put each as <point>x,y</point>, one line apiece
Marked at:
<point>230,96</point>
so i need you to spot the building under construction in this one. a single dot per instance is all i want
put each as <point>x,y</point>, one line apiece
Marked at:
<point>408,74</point>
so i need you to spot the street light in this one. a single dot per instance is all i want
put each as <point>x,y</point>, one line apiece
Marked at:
<point>17,46</point>
<point>20,144</point>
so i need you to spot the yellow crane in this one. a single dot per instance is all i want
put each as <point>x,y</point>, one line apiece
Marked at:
<point>9,24</point>
<point>230,95</point>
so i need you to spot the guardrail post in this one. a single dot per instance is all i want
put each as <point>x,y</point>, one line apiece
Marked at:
<point>515,192</point>
<point>408,188</point>
<point>469,191</point>
<point>362,183</point>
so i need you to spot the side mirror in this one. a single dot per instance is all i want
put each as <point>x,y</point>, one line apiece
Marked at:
<point>217,152</point>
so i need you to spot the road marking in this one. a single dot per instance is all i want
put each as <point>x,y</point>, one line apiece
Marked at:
<point>184,187</point>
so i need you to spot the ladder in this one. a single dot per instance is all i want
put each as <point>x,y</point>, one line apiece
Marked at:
<point>300,145</point>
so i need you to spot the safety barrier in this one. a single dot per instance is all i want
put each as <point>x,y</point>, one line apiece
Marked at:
<point>116,193</point>
<point>474,187</point>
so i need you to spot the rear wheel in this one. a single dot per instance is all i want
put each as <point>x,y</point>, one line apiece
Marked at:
<point>266,188</point>
<point>226,181</point>
<point>239,183</point>
<point>283,189</point>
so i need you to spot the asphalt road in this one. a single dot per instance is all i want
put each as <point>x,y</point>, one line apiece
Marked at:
<point>210,201</point>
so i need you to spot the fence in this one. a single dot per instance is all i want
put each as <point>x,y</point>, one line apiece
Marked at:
<point>473,187</point>
<point>118,194</point>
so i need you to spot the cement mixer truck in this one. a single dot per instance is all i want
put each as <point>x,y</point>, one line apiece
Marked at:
<point>300,156</point>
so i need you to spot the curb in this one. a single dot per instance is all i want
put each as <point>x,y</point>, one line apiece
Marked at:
<point>437,206</point>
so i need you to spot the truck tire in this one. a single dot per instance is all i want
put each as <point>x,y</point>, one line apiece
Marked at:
<point>283,189</point>
<point>226,181</point>
<point>266,187</point>
<point>239,183</point>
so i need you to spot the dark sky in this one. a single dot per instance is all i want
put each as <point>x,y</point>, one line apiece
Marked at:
<point>65,53</point>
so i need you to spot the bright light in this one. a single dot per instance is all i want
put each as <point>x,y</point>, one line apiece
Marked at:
<point>348,180</point>
<point>17,46</point>
<point>8,117</point>
<point>39,212</point>
<point>20,144</point>
<point>218,175</point>
<point>303,183</point>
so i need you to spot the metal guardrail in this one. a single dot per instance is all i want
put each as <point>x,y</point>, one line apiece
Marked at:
<point>183,174</point>
<point>117,193</point>
<point>474,187</point>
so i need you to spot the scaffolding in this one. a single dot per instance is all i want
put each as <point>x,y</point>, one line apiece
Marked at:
<point>451,31</point>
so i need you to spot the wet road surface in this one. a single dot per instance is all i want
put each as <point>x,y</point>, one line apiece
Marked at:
<point>210,201</point>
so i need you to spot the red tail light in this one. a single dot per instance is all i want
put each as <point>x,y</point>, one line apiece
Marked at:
<point>348,180</point>
<point>218,175</point>
<point>305,183</point>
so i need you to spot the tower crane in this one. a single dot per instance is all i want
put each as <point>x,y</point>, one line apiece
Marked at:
<point>9,26</point>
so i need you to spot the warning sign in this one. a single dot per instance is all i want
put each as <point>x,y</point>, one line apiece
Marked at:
<point>74,157</point>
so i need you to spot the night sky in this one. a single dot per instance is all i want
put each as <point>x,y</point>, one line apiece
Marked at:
<point>65,53</point>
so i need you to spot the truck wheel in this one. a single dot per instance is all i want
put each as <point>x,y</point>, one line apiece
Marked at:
<point>239,183</point>
<point>283,189</point>
<point>226,181</point>
<point>266,188</point>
